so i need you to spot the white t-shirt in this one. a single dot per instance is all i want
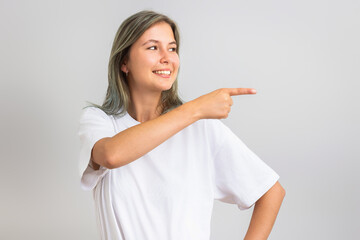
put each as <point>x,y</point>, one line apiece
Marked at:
<point>169,192</point>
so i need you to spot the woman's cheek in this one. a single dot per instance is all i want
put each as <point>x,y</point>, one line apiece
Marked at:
<point>176,61</point>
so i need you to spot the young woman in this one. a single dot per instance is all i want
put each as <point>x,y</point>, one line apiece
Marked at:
<point>156,164</point>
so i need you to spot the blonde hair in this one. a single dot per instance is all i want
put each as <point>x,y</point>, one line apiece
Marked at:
<point>117,98</point>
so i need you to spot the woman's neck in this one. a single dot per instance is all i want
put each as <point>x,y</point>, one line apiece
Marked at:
<point>145,107</point>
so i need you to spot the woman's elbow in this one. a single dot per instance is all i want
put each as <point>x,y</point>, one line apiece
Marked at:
<point>112,162</point>
<point>103,155</point>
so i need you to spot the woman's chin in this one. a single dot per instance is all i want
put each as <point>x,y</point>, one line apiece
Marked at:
<point>166,87</point>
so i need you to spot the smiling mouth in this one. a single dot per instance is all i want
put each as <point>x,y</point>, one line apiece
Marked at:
<point>163,73</point>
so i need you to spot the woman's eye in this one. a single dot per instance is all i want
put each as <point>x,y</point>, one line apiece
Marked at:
<point>173,49</point>
<point>152,48</point>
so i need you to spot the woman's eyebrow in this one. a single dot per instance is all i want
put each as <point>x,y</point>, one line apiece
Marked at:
<point>149,41</point>
<point>156,41</point>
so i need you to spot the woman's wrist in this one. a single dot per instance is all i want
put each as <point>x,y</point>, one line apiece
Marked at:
<point>190,111</point>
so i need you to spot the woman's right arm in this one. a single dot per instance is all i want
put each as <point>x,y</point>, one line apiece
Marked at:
<point>140,139</point>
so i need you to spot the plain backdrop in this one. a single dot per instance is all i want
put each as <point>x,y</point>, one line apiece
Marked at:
<point>303,57</point>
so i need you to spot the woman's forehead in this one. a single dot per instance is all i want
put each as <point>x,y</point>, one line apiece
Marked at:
<point>159,32</point>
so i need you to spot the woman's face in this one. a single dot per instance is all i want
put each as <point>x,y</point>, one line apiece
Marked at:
<point>153,62</point>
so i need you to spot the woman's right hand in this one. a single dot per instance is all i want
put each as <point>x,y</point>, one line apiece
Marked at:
<point>217,104</point>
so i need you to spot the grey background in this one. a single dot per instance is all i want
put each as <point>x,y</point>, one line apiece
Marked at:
<point>301,56</point>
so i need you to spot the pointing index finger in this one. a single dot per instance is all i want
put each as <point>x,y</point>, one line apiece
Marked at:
<point>240,91</point>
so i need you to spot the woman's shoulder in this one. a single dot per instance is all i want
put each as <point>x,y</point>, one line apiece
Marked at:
<point>212,124</point>
<point>213,128</point>
<point>216,129</point>
<point>93,112</point>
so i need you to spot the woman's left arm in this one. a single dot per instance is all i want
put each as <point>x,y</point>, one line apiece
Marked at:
<point>265,212</point>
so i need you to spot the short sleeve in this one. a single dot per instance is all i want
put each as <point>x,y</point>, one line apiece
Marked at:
<point>240,176</point>
<point>94,125</point>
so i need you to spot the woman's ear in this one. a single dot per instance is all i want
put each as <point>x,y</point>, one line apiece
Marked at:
<point>124,67</point>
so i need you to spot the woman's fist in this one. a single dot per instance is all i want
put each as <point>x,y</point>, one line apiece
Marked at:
<point>217,104</point>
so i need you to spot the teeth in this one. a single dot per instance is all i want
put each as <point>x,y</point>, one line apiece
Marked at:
<point>162,72</point>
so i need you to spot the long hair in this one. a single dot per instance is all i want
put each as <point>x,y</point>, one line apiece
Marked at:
<point>117,98</point>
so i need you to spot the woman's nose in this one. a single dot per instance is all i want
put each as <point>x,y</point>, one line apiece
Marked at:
<point>164,57</point>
